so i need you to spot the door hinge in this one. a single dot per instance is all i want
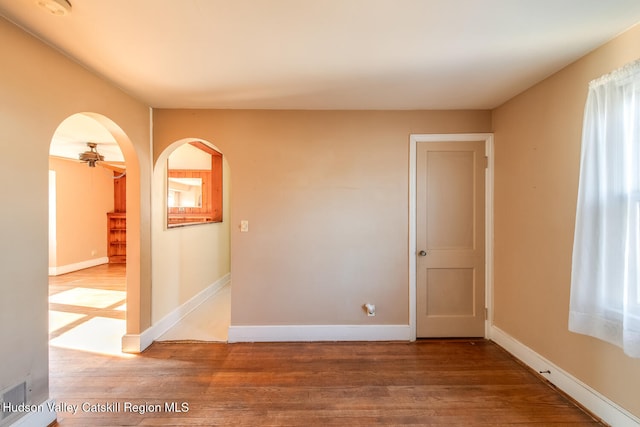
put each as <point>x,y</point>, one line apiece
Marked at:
<point>486,313</point>
<point>486,162</point>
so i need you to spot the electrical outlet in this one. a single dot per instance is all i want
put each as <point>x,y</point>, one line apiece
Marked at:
<point>370,309</point>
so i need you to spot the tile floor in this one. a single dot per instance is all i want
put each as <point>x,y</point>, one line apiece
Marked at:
<point>208,322</point>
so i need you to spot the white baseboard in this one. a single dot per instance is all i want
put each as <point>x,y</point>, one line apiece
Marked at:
<point>599,405</point>
<point>42,417</point>
<point>280,333</point>
<point>136,343</point>
<point>64,269</point>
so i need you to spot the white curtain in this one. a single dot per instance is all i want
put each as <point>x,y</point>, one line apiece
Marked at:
<point>605,282</point>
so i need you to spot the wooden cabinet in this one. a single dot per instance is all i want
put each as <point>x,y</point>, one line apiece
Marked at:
<point>117,222</point>
<point>117,237</point>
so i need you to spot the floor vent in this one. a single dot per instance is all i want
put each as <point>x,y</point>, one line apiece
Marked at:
<point>11,398</point>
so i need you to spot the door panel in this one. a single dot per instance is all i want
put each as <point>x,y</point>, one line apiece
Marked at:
<point>449,188</point>
<point>449,292</point>
<point>450,239</point>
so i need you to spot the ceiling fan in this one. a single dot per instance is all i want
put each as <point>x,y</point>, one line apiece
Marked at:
<point>93,158</point>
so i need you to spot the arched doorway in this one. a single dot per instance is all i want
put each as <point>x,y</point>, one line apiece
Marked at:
<point>191,261</point>
<point>88,184</point>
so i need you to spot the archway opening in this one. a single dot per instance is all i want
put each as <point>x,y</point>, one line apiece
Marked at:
<point>89,174</point>
<point>191,262</point>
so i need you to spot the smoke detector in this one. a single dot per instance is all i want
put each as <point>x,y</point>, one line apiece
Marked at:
<point>55,7</point>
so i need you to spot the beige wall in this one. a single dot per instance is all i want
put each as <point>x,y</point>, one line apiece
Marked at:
<point>537,159</point>
<point>326,197</point>
<point>40,88</point>
<point>83,197</point>
<point>186,260</point>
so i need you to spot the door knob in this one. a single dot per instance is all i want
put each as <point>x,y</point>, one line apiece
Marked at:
<point>422,253</point>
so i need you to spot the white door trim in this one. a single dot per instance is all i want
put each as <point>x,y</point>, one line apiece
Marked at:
<point>451,137</point>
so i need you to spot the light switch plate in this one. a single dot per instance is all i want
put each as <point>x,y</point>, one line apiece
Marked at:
<point>244,226</point>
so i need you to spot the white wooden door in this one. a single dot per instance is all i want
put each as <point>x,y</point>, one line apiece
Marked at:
<point>450,277</point>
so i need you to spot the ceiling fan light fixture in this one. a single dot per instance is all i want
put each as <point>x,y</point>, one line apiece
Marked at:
<point>55,7</point>
<point>92,156</point>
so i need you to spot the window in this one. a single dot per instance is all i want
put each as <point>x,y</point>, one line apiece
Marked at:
<point>605,282</point>
<point>194,185</point>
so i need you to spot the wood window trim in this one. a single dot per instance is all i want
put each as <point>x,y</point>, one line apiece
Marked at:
<point>211,209</point>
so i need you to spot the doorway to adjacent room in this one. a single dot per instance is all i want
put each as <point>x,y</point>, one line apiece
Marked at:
<point>450,247</point>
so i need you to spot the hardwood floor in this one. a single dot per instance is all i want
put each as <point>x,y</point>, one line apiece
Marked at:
<point>431,383</point>
<point>86,294</point>
<point>104,276</point>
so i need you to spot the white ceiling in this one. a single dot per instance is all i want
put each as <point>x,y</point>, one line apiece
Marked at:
<point>326,54</point>
<point>71,137</point>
